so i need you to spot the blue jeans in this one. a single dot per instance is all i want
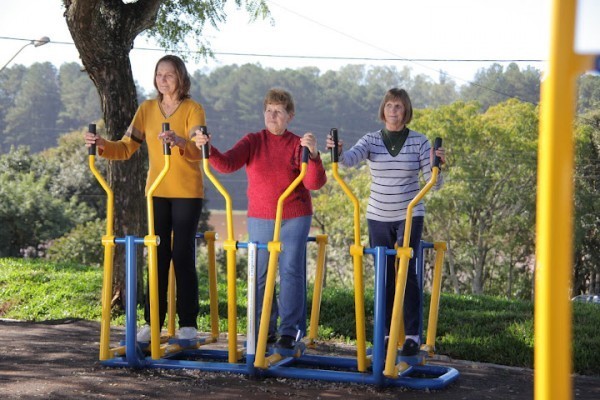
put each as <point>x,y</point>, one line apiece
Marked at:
<point>387,234</point>
<point>291,302</point>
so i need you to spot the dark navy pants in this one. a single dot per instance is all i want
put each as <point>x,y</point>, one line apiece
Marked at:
<point>387,234</point>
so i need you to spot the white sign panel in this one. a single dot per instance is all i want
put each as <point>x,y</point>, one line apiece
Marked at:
<point>587,27</point>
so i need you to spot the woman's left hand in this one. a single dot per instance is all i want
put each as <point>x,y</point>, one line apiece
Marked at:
<point>310,141</point>
<point>171,138</point>
<point>441,153</point>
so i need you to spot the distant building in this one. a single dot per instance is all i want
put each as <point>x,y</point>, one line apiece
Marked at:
<point>218,220</point>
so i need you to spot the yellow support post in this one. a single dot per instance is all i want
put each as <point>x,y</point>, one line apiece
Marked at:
<point>171,298</point>
<point>356,251</point>
<point>405,252</point>
<point>151,241</point>
<point>230,247</point>
<point>210,238</point>
<point>434,304</point>
<point>554,231</point>
<point>318,290</point>
<point>274,248</point>
<point>108,241</point>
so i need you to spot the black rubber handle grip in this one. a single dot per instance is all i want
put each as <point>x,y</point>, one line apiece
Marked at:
<point>205,148</point>
<point>166,148</point>
<point>334,151</point>
<point>436,145</point>
<point>305,154</point>
<point>92,149</point>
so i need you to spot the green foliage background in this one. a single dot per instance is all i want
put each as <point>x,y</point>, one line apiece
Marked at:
<point>485,211</point>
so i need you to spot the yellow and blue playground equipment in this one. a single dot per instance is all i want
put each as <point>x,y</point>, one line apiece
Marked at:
<point>129,348</point>
<point>256,358</point>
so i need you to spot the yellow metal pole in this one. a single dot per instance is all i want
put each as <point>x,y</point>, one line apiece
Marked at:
<point>171,298</point>
<point>318,289</point>
<point>210,238</point>
<point>434,304</point>
<point>230,247</point>
<point>108,241</point>
<point>151,241</point>
<point>274,248</point>
<point>356,251</point>
<point>554,251</point>
<point>405,252</point>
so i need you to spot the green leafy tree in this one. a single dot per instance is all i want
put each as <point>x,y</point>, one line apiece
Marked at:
<point>588,93</point>
<point>488,197</point>
<point>587,205</point>
<point>80,103</point>
<point>10,84</point>
<point>104,32</point>
<point>495,85</point>
<point>334,216</point>
<point>67,164</point>
<point>31,120</point>
<point>29,214</point>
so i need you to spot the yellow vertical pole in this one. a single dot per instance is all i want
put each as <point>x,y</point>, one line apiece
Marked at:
<point>318,289</point>
<point>434,303</point>
<point>108,241</point>
<point>554,248</point>
<point>210,238</point>
<point>230,247</point>
<point>171,299</point>
<point>274,247</point>
<point>405,252</point>
<point>151,241</point>
<point>356,251</point>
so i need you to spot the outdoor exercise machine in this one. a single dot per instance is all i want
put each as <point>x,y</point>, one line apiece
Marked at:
<point>158,346</point>
<point>257,358</point>
<point>399,370</point>
<point>167,349</point>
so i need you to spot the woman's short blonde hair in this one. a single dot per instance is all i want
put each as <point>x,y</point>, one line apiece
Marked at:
<point>402,96</point>
<point>280,96</point>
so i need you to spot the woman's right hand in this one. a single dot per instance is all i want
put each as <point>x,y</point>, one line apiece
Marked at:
<point>94,138</point>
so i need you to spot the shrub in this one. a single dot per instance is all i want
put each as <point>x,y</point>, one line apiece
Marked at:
<point>83,245</point>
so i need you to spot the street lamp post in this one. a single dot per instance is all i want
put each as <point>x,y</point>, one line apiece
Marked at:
<point>36,43</point>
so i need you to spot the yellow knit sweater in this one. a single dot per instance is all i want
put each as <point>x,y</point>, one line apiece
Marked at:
<point>184,179</point>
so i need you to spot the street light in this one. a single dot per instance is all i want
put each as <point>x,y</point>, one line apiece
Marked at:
<point>36,43</point>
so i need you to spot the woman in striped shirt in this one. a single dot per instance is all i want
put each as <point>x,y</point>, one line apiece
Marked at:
<point>396,155</point>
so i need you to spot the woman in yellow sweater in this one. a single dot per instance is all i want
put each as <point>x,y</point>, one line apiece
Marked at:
<point>178,199</point>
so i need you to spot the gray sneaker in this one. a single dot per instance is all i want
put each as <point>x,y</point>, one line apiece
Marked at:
<point>144,334</point>
<point>187,333</point>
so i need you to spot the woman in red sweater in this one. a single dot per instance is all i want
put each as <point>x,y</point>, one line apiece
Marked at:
<point>273,158</point>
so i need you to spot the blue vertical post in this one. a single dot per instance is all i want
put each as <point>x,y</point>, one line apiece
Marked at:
<point>131,352</point>
<point>378,329</point>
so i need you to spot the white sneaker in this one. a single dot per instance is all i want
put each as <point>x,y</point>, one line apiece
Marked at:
<point>144,334</point>
<point>187,333</point>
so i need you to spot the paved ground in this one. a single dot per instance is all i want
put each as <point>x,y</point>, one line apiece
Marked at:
<point>59,360</point>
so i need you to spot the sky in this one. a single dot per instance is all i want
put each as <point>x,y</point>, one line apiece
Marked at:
<point>327,34</point>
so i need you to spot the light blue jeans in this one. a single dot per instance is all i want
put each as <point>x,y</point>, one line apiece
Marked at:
<point>291,302</point>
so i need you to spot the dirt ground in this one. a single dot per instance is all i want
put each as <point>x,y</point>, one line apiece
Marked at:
<point>59,360</point>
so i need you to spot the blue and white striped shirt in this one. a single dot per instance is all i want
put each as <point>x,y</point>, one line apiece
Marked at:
<point>394,180</point>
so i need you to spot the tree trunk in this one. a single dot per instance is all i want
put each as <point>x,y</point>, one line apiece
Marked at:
<point>103,32</point>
